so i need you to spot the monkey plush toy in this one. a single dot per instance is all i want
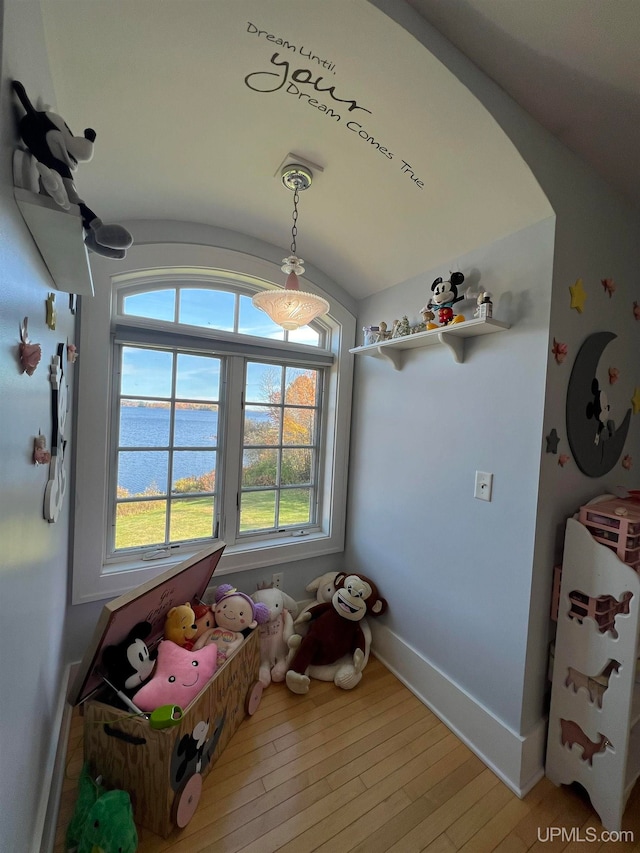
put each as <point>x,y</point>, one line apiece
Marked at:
<point>334,629</point>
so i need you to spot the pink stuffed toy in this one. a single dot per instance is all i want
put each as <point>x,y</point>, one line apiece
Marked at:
<point>179,676</point>
<point>234,614</point>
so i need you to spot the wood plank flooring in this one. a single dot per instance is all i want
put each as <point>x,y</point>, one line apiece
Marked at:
<point>370,770</point>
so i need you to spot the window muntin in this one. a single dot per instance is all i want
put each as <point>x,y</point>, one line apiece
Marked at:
<point>168,410</point>
<point>209,307</point>
<point>281,447</point>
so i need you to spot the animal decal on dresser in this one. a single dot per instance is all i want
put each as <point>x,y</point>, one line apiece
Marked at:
<point>572,733</point>
<point>595,685</point>
<point>603,610</point>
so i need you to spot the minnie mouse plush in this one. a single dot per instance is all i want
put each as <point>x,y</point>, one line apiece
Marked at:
<point>54,156</point>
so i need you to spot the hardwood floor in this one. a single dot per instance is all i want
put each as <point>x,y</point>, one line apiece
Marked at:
<point>370,770</point>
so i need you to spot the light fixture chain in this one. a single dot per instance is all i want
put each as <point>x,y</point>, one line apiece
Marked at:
<point>294,229</point>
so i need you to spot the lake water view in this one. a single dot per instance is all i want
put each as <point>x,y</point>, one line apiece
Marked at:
<point>143,426</point>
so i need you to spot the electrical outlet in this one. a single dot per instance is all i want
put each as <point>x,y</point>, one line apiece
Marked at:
<point>484,484</point>
<point>276,580</point>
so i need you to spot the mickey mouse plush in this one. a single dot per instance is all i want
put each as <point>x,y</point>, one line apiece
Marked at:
<point>334,628</point>
<point>445,295</point>
<point>129,663</point>
<point>55,154</point>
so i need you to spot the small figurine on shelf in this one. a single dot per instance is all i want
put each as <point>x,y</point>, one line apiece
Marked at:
<point>401,328</point>
<point>484,311</point>
<point>427,316</point>
<point>370,335</point>
<point>445,295</point>
<point>384,333</point>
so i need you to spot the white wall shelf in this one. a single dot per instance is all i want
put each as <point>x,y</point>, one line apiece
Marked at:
<point>452,337</point>
<point>59,236</point>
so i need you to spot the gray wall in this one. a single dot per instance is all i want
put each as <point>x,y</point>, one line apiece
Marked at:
<point>597,236</point>
<point>457,570</point>
<point>34,553</point>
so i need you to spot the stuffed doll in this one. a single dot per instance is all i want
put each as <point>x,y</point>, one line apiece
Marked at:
<point>342,672</point>
<point>54,154</point>
<point>179,676</point>
<point>180,625</point>
<point>334,629</point>
<point>102,820</point>
<point>235,614</point>
<point>205,620</point>
<point>129,663</point>
<point>275,633</point>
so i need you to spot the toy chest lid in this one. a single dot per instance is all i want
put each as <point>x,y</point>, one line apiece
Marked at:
<point>148,602</point>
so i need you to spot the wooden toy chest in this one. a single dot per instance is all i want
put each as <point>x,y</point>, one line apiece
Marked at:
<point>163,769</point>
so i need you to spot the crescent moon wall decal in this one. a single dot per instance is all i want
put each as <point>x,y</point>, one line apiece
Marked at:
<point>595,442</point>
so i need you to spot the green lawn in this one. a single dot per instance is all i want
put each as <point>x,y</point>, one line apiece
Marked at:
<point>143,523</point>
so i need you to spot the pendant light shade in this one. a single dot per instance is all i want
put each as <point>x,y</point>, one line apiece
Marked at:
<point>292,307</point>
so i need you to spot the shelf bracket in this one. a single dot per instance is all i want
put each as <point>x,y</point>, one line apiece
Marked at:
<point>394,356</point>
<point>455,344</point>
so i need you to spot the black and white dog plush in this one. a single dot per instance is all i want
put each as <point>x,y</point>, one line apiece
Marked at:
<point>129,663</point>
<point>52,157</point>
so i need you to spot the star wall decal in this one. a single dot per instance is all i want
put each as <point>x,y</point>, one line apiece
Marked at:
<point>578,296</point>
<point>635,400</point>
<point>609,286</point>
<point>559,351</point>
<point>553,440</point>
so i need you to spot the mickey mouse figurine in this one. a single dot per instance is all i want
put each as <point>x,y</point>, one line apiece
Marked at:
<point>445,295</point>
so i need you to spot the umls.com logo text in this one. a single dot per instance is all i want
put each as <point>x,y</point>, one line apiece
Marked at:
<point>583,834</point>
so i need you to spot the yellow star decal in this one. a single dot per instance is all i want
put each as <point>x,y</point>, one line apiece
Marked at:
<point>578,296</point>
<point>635,401</point>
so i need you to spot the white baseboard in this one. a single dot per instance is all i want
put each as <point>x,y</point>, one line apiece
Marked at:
<point>47,818</point>
<point>518,760</point>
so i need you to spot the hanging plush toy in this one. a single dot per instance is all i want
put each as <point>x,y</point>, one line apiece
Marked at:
<point>52,158</point>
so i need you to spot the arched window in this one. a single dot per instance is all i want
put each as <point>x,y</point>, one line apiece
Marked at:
<point>219,425</point>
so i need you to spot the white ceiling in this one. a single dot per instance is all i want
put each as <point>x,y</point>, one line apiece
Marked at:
<point>574,65</point>
<point>193,123</point>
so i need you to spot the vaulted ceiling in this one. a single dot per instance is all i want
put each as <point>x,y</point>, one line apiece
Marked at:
<point>197,105</point>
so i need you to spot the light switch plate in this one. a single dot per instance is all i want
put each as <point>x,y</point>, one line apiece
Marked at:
<point>484,485</point>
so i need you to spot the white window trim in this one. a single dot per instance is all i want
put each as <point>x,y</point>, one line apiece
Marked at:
<point>92,578</point>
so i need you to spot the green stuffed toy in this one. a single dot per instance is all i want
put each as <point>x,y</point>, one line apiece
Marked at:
<point>102,821</point>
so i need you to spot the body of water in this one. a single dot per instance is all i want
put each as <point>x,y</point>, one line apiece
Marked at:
<point>146,427</point>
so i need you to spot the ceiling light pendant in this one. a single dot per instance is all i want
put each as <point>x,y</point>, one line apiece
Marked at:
<point>292,307</point>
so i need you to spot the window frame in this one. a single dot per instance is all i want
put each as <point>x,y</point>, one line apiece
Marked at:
<point>101,326</point>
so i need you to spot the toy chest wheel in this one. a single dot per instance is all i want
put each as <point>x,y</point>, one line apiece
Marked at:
<point>162,769</point>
